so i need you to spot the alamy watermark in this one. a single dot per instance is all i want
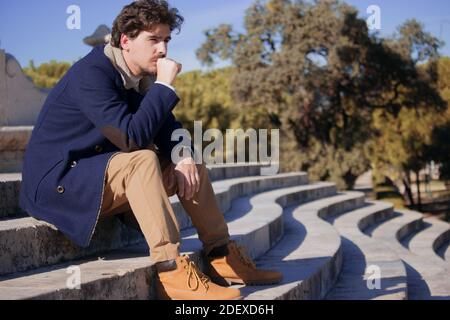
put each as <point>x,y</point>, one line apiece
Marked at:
<point>373,273</point>
<point>73,22</point>
<point>374,19</point>
<point>258,147</point>
<point>73,282</point>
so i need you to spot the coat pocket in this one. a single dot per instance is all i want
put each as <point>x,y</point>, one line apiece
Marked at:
<point>48,180</point>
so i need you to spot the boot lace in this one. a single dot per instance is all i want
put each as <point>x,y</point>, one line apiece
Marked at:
<point>195,275</point>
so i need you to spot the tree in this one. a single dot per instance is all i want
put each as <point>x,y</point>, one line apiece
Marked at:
<point>206,97</point>
<point>314,71</point>
<point>439,150</point>
<point>405,144</point>
<point>47,74</point>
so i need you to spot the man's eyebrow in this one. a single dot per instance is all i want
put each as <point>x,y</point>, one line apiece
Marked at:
<point>157,37</point>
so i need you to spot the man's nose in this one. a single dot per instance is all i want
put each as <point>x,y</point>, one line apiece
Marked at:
<point>162,48</point>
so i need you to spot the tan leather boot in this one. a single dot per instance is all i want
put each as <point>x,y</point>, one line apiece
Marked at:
<point>187,282</point>
<point>238,268</point>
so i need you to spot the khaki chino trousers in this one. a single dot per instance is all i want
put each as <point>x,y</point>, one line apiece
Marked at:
<point>137,185</point>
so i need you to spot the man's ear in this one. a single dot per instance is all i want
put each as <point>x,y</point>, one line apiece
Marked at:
<point>124,42</point>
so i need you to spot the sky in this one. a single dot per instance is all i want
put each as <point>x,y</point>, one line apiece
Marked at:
<point>36,30</point>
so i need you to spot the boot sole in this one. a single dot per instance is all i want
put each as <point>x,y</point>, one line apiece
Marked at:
<point>167,299</point>
<point>230,282</point>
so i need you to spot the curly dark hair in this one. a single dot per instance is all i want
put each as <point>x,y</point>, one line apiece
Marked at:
<point>142,15</point>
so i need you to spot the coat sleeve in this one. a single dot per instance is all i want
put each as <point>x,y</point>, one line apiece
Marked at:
<point>103,104</point>
<point>163,139</point>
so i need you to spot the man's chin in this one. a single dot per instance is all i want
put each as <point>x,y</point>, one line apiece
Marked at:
<point>150,72</point>
<point>152,68</point>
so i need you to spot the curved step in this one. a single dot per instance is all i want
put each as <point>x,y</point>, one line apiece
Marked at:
<point>403,224</point>
<point>370,269</point>
<point>128,274</point>
<point>444,252</point>
<point>426,280</point>
<point>27,243</point>
<point>10,184</point>
<point>227,190</point>
<point>447,253</point>
<point>309,254</point>
<point>428,241</point>
<point>261,215</point>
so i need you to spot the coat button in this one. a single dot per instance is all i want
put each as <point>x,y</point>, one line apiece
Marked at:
<point>60,189</point>
<point>98,149</point>
<point>73,164</point>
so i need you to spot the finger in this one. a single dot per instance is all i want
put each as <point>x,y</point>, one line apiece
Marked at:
<point>193,186</point>
<point>180,180</point>
<point>189,188</point>
<point>197,179</point>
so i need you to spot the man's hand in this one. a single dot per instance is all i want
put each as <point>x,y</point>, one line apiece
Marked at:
<point>167,70</point>
<point>187,177</point>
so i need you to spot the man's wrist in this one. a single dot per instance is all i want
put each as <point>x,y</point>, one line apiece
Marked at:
<point>165,84</point>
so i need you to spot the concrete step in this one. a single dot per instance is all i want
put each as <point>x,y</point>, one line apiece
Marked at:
<point>27,243</point>
<point>128,274</point>
<point>425,279</point>
<point>371,270</point>
<point>446,254</point>
<point>402,224</point>
<point>262,215</point>
<point>10,184</point>
<point>309,254</point>
<point>9,195</point>
<point>427,242</point>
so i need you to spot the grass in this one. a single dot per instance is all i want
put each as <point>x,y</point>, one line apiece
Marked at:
<point>389,193</point>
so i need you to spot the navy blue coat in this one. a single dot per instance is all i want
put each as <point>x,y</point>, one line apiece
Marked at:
<point>87,118</point>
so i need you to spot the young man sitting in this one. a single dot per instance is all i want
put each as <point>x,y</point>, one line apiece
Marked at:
<point>102,146</point>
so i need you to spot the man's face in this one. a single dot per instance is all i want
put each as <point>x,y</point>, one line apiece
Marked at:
<point>143,51</point>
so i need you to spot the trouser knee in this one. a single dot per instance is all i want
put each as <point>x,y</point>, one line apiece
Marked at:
<point>144,158</point>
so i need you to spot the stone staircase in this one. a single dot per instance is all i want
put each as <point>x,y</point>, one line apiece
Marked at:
<point>328,244</point>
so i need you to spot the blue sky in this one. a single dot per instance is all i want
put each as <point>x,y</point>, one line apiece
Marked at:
<point>37,29</point>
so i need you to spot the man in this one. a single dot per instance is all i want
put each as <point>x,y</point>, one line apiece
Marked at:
<point>102,146</point>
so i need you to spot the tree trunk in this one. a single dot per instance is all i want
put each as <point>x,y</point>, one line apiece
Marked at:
<point>407,184</point>
<point>419,200</point>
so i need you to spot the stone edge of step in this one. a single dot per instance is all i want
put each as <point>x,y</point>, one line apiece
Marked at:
<point>427,242</point>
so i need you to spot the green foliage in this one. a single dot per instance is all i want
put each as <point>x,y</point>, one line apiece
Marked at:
<point>314,71</point>
<point>47,74</point>
<point>404,144</point>
<point>206,97</point>
<point>390,194</point>
<point>439,147</point>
